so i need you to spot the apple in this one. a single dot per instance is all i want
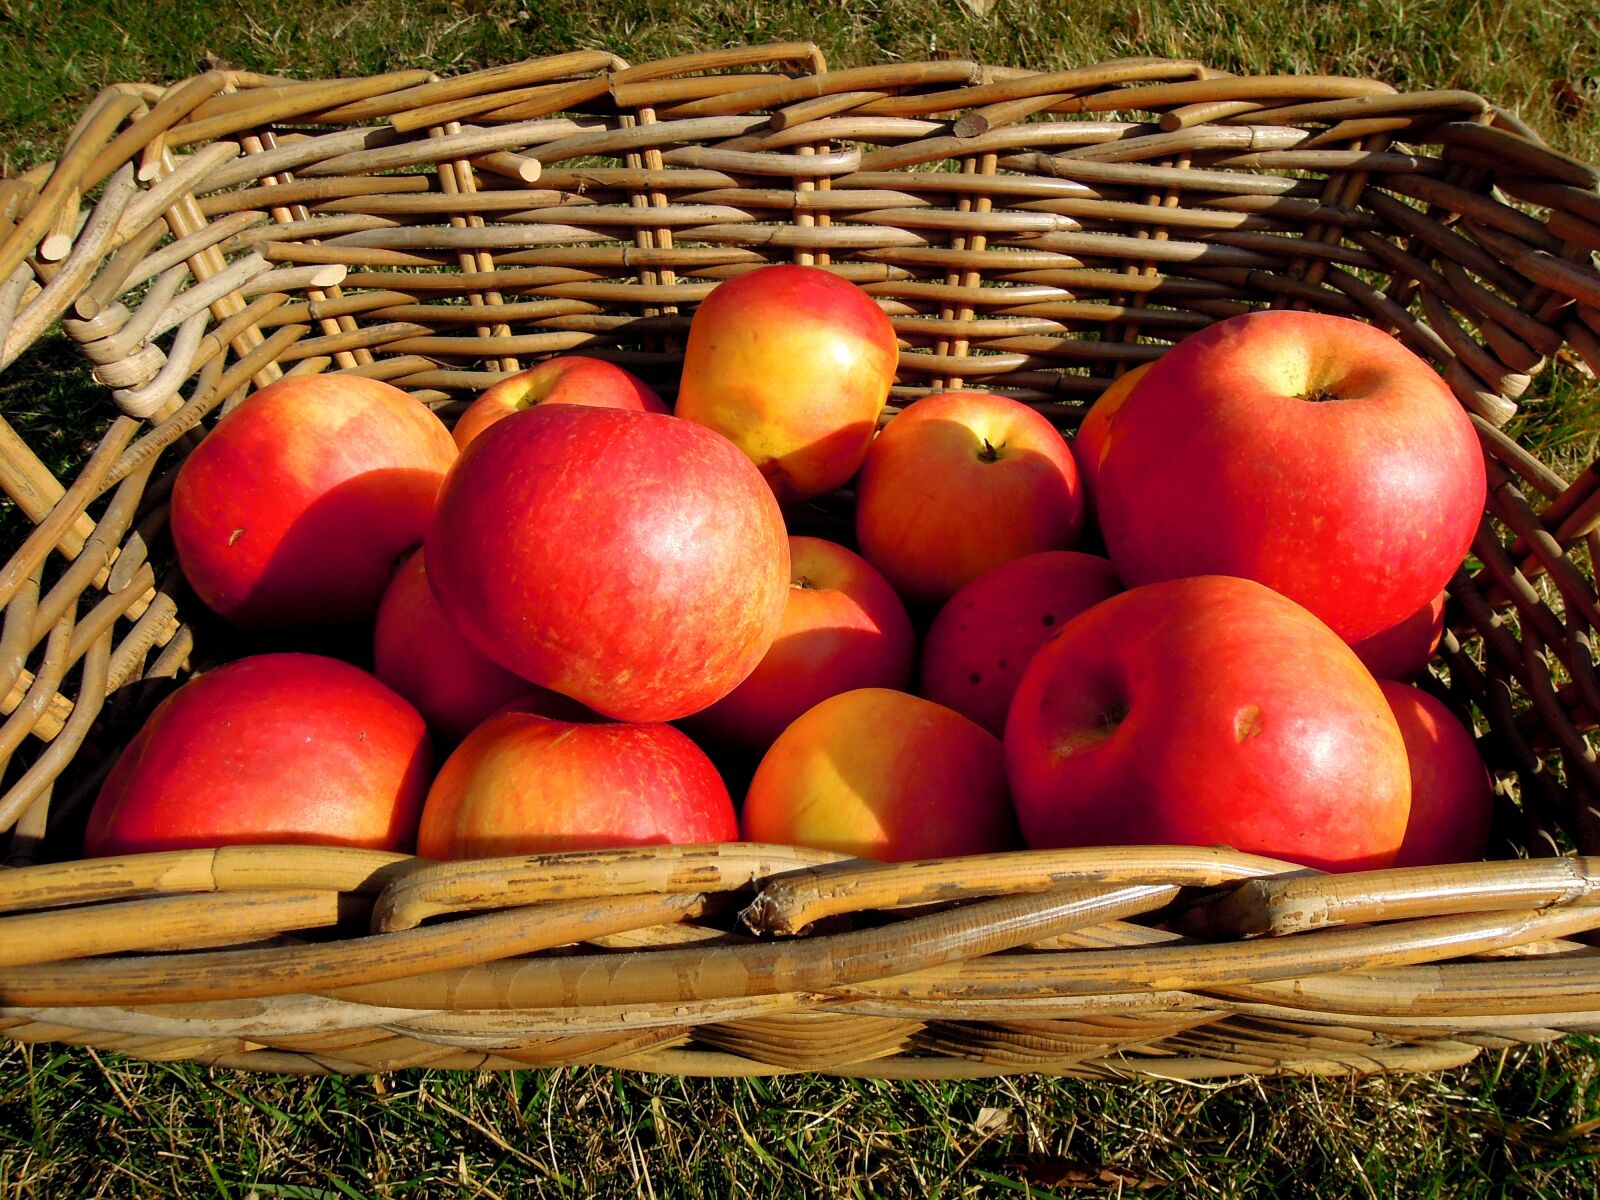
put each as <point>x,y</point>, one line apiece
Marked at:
<point>1452,796</point>
<point>418,651</point>
<point>1312,453</point>
<point>526,784</point>
<point>294,508</point>
<point>883,775</point>
<point>794,365</point>
<point>843,628</point>
<point>1402,651</point>
<point>278,748</point>
<point>1201,711</point>
<point>1089,446</point>
<point>959,483</point>
<point>632,561</point>
<point>569,379</point>
<point>980,641</point>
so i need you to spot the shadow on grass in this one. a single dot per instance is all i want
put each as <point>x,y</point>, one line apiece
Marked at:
<point>54,405</point>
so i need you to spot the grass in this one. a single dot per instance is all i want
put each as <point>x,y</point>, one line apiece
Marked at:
<point>62,51</point>
<point>76,1123</point>
<point>1522,1122</point>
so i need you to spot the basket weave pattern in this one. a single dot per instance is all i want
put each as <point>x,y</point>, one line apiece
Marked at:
<point>1033,233</point>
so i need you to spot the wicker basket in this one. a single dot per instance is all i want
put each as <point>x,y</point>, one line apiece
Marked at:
<point>1032,233</point>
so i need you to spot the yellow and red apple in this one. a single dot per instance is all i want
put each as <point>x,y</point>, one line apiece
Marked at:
<point>526,784</point>
<point>880,774</point>
<point>418,651</point>
<point>959,483</point>
<point>1402,651</point>
<point>792,364</point>
<point>1089,446</point>
<point>569,379</point>
<point>843,628</point>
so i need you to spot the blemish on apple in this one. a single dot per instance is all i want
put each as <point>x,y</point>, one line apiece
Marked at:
<point>1247,723</point>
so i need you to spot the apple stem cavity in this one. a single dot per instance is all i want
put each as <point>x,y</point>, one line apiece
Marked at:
<point>1114,715</point>
<point>803,583</point>
<point>1318,395</point>
<point>1088,737</point>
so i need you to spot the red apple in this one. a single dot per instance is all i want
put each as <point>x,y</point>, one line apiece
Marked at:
<point>570,379</point>
<point>632,561</point>
<point>843,628</point>
<point>988,632</point>
<point>418,651</point>
<point>793,364</point>
<point>279,748</point>
<point>1202,711</point>
<point>1314,454</point>
<point>1452,796</point>
<point>959,483</point>
<point>526,784</point>
<point>294,508</point>
<point>1089,446</point>
<point>1402,651</point>
<point>882,775</point>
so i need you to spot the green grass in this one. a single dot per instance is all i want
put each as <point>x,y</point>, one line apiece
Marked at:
<point>73,1123</point>
<point>61,51</point>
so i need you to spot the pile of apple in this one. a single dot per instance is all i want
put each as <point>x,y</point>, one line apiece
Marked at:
<point>607,608</point>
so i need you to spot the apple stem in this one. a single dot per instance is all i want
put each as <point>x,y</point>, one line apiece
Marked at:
<point>990,452</point>
<point>1319,396</point>
<point>801,581</point>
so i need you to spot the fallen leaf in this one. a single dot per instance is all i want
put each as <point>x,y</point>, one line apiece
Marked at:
<point>992,1121</point>
<point>1568,99</point>
<point>1065,1172</point>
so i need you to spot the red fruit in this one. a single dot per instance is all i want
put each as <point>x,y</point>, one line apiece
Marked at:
<point>883,775</point>
<point>843,628</point>
<point>959,483</point>
<point>570,379</point>
<point>1402,651</point>
<point>418,651</point>
<point>279,748</point>
<point>1314,454</point>
<point>1452,796</point>
<point>525,784</point>
<point>634,562</point>
<point>1089,447</point>
<point>1202,711</point>
<point>989,631</point>
<point>294,508</point>
<point>793,364</point>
